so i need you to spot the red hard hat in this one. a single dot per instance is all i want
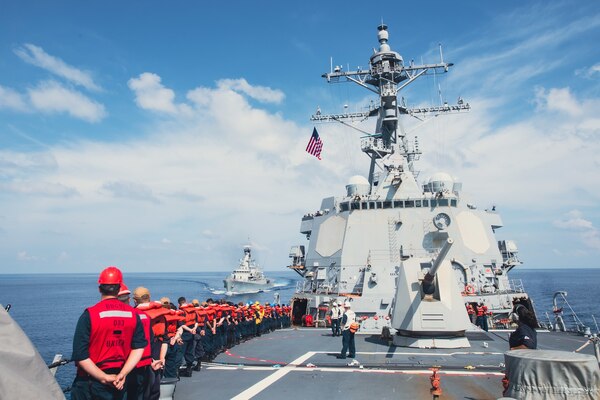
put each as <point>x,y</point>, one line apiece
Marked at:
<point>124,290</point>
<point>110,276</point>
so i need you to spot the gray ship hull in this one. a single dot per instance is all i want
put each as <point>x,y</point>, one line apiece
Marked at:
<point>235,286</point>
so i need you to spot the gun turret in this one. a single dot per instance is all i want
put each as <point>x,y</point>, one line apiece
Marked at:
<point>428,285</point>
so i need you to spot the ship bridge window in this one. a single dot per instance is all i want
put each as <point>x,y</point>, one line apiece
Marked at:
<point>371,205</point>
<point>379,205</point>
<point>409,203</point>
<point>443,202</point>
<point>355,206</point>
<point>344,207</point>
<point>387,204</point>
<point>453,203</point>
<point>398,204</point>
<point>433,203</point>
<point>425,203</point>
<point>417,203</point>
<point>365,205</point>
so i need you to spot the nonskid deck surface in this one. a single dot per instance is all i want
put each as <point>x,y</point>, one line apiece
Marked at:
<point>274,366</point>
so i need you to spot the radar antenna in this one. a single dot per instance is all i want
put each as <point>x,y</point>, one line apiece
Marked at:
<point>387,76</point>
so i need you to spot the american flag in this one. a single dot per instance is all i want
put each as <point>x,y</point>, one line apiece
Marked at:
<point>315,144</point>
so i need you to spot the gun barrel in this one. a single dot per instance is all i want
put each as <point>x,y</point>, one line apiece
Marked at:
<point>438,261</point>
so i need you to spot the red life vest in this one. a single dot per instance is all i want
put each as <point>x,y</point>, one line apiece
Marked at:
<point>156,312</point>
<point>147,354</point>
<point>112,327</point>
<point>172,320</point>
<point>481,311</point>
<point>190,314</point>
<point>201,315</point>
<point>210,313</point>
<point>470,309</point>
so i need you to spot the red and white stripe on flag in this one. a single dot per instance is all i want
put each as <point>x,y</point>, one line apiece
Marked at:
<point>315,144</point>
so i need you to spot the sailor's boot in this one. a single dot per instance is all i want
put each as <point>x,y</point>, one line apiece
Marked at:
<point>198,365</point>
<point>187,372</point>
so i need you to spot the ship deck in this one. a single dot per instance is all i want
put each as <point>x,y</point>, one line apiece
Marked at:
<point>301,363</point>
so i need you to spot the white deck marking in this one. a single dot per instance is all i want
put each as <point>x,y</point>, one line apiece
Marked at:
<point>352,370</point>
<point>274,377</point>
<point>417,354</point>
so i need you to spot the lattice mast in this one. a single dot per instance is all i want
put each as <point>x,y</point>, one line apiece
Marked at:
<point>387,76</point>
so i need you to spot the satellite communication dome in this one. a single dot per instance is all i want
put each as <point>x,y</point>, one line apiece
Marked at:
<point>439,181</point>
<point>358,186</point>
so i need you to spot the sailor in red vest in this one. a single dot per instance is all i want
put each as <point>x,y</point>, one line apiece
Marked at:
<point>174,321</point>
<point>188,334</point>
<point>470,312</point>
<point>108,343</point>
<point>149,370</point>
<point>482,312</point>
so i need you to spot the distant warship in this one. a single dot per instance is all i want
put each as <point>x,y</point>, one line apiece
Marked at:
<point>377,243</point>
<point>247,277</point>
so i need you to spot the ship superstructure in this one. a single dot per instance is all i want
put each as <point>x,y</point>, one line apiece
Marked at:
<point>247,277</point>
<point>360,241</point>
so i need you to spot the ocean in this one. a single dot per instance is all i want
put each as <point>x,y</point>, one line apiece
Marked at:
<point>47,306</point>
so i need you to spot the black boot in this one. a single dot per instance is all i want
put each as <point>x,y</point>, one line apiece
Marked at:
<point>198,365</point>
<point>187,372</point>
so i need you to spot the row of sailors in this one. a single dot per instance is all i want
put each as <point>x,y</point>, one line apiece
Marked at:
<point>124,352</point>
<point>209,328</point>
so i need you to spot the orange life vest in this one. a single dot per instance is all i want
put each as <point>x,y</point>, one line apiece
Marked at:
<point>201,315</point>
<point>156,312</point>
<point>190,314</point>
<point>172,319</point>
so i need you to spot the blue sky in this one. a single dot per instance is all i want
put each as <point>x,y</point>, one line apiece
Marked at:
<point>161,137</point>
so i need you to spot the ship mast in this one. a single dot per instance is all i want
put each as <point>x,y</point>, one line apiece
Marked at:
<point>387,76</point>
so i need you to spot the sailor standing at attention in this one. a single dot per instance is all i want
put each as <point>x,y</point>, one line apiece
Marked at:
<point>108,343</point>
<point>336,315</point>
<point>348,319</point>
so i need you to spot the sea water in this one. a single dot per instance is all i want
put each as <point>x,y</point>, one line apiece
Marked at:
<point>47,306</point>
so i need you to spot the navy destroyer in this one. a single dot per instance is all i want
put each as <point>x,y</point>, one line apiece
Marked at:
<point>247,277</point>
<point>383,233</point>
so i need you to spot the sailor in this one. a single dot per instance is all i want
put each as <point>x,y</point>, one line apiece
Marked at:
<point>155,327</point>
<point>174,320</point>
<point>124,294</point>
<point>108,343</point>
<point>210,330</point>
<point>336,314</point>
<point>482,312</point>
<point>470,312</point>
<point>348,321</point>
<point>189,332</point>
<point>525,336</point>
<point>258,317</point>
<point>200,334</point>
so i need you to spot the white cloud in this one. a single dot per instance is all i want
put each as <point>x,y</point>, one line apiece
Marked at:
<point>52,97</point>
<point>165,241</point>
<point>39,188</point>
<point>587,232</point>
<point>574,220</point>
<point>151,94</point>
<point>130,190</point>
<point>12,100</point>
<point>35,55</point>
<point>260,93</point>
<point>208,234</point>
<point>558,99</point>
<point>23,256</point>
<point>590,72</point>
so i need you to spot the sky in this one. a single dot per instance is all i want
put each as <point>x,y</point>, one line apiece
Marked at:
<point>164,136</point>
